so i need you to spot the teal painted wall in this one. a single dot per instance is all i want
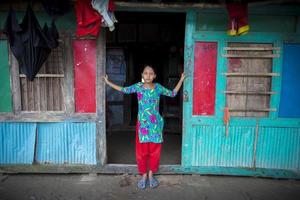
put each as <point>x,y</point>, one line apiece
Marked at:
<point>5,91</point>
<point>257,23</point>
<point>66,21</point>
<point>254,146</point>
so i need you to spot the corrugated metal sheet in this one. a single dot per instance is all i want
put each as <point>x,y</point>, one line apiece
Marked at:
<point>211,147</point>
<point>17,142</point>
<point>278,148</point>
<point>69,143</point>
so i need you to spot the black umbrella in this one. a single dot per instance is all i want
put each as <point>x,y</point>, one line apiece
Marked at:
<point>30,44</point>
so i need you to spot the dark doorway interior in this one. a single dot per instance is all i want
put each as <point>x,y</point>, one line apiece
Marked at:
<point>139,38</point>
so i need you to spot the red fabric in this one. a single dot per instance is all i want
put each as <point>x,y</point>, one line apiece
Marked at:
<point>238,18</point>
<point>147,155</point>
<point>111,6</point>
<point>88,19</point>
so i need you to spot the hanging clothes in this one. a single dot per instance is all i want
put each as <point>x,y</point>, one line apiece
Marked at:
<point>238,18</point>
<point>88,19</point>
<point>56,8</point>
<point>30,44</point>
<point>106,9</point>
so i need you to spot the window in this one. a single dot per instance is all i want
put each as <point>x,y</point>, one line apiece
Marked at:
<point>46,92</point>
<point>249,79</point>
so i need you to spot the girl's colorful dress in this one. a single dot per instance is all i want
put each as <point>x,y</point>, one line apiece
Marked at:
<point>150,123</point>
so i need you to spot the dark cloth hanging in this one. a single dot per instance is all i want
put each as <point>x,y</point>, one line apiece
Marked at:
<point>56,8</point>
<point>30,44</point>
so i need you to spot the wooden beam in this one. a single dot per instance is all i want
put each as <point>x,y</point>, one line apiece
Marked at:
<point>249,93</point>
<point>250,56</point>
<point>251,48</point>
<point>100,100</point>
<point>251,74</point>
<point>162,6</point>
<point>45,75</point>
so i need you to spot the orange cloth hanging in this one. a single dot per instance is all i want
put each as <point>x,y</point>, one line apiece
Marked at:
<point>226,119</point>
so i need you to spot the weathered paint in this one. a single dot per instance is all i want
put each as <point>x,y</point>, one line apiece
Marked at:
<point>66,143</point>
<point>211,146</point>
<point>278,148</point>
<point>85,75</point>
<point>17,142</point>
<point>6,98</point>
<point>290,97</point>
<point>205,61</point>
<point>253,143</point>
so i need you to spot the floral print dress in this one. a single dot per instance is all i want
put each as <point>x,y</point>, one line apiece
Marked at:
<point>150,122</point>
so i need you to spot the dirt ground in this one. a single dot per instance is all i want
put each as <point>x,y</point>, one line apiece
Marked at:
<point>93,186</point>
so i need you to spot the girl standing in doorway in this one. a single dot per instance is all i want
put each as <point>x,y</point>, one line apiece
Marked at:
<point>149,125</point>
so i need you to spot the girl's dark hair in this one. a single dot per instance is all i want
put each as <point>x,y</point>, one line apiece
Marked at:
<point>148,65</point>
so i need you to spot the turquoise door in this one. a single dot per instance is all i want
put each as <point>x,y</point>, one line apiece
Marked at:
<point>208,144</point>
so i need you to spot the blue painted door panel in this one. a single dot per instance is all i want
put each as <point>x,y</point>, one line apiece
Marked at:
<point>290,95</point>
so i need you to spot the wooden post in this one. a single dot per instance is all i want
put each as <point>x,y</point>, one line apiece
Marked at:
<point>100,100</point>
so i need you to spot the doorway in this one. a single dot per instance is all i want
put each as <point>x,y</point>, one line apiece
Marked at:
<point>143,38</point>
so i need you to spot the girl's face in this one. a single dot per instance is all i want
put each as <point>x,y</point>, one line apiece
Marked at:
<point>148,74</point>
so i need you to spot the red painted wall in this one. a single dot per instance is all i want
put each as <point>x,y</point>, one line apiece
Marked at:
<point>84,53</point>
<point>204,86</point>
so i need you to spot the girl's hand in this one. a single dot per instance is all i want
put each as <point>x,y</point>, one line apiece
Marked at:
<point>105,78</point>
<point>182,77</point>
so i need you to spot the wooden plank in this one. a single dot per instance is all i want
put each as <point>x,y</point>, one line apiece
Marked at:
<point>69,74</point>
<point>252,48</point>
<point>45,76</point>
<point>253,109</point>
<point>49,116</point>
<point>23,95</point>
<point>249,81</point>
<point>16,92</point>
<point>100,99</point>
<point>250,93</point>
<point>30,96</point>
<point>251,74</point>
<point>251,56</point>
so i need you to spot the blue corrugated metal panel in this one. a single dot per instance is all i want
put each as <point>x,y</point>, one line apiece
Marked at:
<point>278,148</point>
<point>211,147</point>
<point>69,143</point>
<point>17,142</point>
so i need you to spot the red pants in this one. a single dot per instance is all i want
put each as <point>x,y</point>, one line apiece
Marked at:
<point>147,155</point>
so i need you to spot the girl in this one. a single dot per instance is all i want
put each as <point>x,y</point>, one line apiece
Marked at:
<point>149,122</point>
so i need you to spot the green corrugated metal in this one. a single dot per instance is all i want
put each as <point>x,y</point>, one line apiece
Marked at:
<point>5,91</point>
<point>278,148</point>
<point>211,147</point>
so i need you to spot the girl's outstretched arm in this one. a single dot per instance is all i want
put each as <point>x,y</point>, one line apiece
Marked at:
<point>177,88</point>
<point>116,87</point>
